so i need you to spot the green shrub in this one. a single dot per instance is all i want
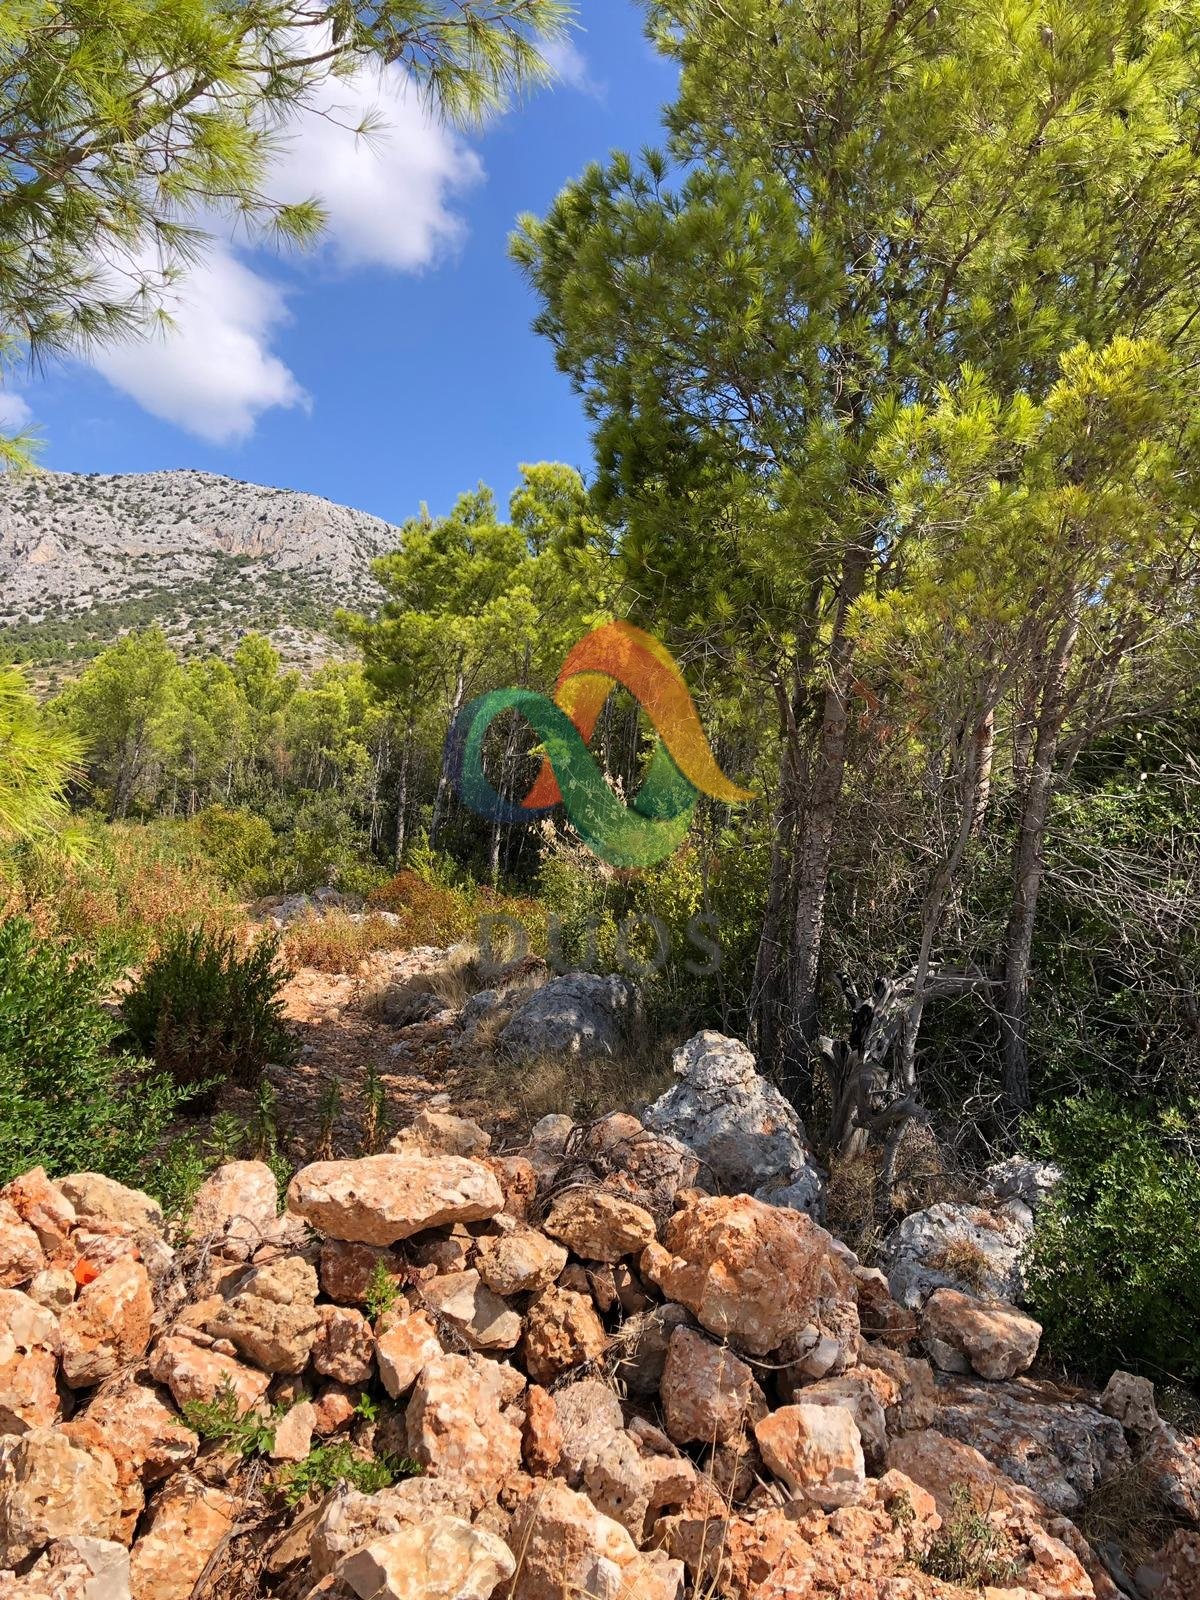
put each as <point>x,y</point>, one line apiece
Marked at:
<point>210,1014</point>
<point>68,1102</point>
<point>1114,1270</point>
<point>329,1465</point>
<point>239,844</point>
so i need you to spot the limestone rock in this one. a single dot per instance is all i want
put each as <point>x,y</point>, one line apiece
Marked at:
<point>647,1167</point>
<point>1131,1401</point>
<point>444,1559</point>
<point>962,1334</point>
<point>708,1395</point>
<point>600,1226</point>
<point>748,1272</point>
<point>1062,1449</point>
<point>54,1288</point>
<point>484,1320</point>
<point>107,1325</point>
<point>1173,1465</point>
<point>348,1271</point>
<point>74,1569</point>
<point>145,1438</point>
<point>21,1255</point>
<point>861,1396</point>
<point>193,1372</point>
<point>380,1199</point>
<point>405,1343</point>
<point>28,1363</point>
<point>541,1434</point>
<point>562,1331</point>
<point>974,1249</point>
<point>294,1431</point>
<point>742,1129</point>
<point>272,1318</point>
<point>640,1348</point>
<point>523,1261</point>
<point>581,1014</point>
<point>350,1521</point>
<point>1174,1573</point>
<point>816,1450</point>
<point>589,1414</point>
<point>1019,1178</point>
<point>235,1206</point>
<point>100,1199</point>
<point>344,1346</point>
<point>189,1522</point>
<point>54,1488</point>
<point>43,1206</point>
<point>454,1425</point>
<point>569,1548</point>
<point>634,1475</point>
<point>440,1133</point>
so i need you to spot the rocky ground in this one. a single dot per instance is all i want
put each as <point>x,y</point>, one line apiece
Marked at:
<point>614,1359</point>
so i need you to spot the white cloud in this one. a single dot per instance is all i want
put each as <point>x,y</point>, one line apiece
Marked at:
<point>211,371</point>
<point>569,65</point>
<point>14,412</point>
<point>389,201</point>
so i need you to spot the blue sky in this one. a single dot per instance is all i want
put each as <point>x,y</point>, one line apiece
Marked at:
<point>397,364</point>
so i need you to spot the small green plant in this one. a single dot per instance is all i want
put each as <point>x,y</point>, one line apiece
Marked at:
<point>383,1290</point>
<point>969,1549</point>
<point>374,1124</point>
<point>210,1014</point>
<point>220,1420</point>
<point>179,1170</point>
<point>68,1099</point>
<point>330,1464</point>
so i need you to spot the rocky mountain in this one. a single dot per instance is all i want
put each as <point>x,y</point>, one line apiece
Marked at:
<point>86,556</point>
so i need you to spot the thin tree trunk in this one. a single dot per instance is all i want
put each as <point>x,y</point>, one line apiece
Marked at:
<point>439,798</point>
<point>815,840</point>
<point>1029,866</point>
<point>402,796</point>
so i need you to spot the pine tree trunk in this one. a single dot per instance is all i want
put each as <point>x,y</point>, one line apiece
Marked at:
<point>439,798</point>
<point>1028,869</point>
<point>402,794</point>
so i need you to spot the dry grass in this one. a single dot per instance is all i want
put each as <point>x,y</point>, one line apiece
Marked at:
<point>1127,1510</point>
<point>965,1262</point>
<point>429,913</point>
<point>336,943</point>
<point>563,1083</point>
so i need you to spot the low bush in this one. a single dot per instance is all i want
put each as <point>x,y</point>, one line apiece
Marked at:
<point>239,845</point>
<point>333,941</point>
<point>68,1101</point>
<point>210,1013</point>
<point>430,913</point>
<point>1114,1270</point>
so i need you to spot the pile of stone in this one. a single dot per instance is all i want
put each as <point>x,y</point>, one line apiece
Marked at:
<point>602,1379</point>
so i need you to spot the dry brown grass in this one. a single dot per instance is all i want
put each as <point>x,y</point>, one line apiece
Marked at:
<point>965,1262</point>
<point>579,1089</point>
<point>1127,1510</point>
<point>336,943</point>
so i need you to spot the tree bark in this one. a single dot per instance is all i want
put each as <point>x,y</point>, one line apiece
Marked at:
<point>1029,866</point>
<point>439,798</point>
<point>815,835</point>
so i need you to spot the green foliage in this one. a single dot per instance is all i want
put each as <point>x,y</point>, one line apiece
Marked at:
<point>68,1100</point>
<point>239,844</point>
<point>210,1014</point>
<point>383,1290</point>
<point>1114,1270</point>
<point>969,1549</point>
<point>331,1464</point>
<point>37,762</point>
<point>221,1420</point>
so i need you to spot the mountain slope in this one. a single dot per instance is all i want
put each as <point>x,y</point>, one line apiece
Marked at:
<point>85,557</point>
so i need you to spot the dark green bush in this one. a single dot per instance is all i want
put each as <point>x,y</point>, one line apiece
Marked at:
<point>68,1101</point>
<point>210,1013</point>
<point>1114,1271</point>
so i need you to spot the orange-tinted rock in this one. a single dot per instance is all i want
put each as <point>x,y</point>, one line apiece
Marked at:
<point>100,1199</point>
<point>444,1558</point>
<point>520,1262</point>
<point>404,1343</point>
<point>600,1226</point>
<point>748,1272</point>
<point>962,1334</point>
<point>517,1177</point>
<point>708,1394</point>
<point>28,1363</point>
<point>485,1321</point>
<point>144,1436</point>
<point>541,1435</point>
<point>235,1207</point>
<point>344,1347</point>
<point>349,1271</point>
<point>294,1431</point>
<point>567,1547</point>
<point>188,1524</point>
<point>55,1488</point>
<point>1174,1573</point>
<point>562,1331</point>
<point>21,1256</point>
<point>817,1452</point>
<point>454,1426</point>
<point>272,1319</point>
<point>194,1372</point>
<point>380,1199</point>
<point>107,1325</point>
<point>43,1206</point>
